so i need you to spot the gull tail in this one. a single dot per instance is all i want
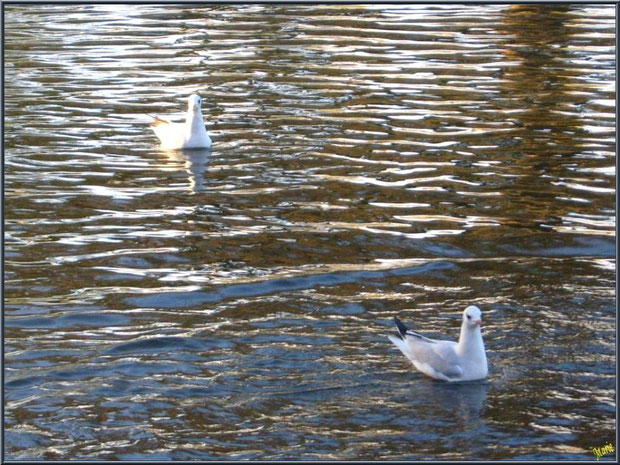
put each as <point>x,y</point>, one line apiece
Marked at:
<point>402,329</point>
<point>158,121</point>
<point>399,341</point>
<point>401,344</point>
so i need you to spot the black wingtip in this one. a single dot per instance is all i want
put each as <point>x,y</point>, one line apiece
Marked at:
<point>402,329</point>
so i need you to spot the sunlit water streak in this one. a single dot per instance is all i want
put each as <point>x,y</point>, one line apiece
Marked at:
<point>368,161</point>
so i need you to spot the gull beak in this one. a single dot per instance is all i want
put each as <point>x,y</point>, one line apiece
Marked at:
<point>478,322</point>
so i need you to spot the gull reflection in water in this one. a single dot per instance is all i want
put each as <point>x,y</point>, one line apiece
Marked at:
<point>195,163</point>
<point>465,401</point>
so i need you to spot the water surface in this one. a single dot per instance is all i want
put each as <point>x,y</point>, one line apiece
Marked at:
<point>368,161</point>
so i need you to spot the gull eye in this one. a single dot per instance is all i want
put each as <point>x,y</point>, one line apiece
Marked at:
<point>468,317</point>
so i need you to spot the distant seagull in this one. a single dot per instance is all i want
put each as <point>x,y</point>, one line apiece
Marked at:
<point>447,360</point>
<point>189,135</point>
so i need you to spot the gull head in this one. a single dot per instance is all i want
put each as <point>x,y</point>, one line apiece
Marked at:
<point>193,103</point>
<point>472,316</point>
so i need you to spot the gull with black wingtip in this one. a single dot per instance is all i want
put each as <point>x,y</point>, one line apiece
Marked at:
<point>465,360</point>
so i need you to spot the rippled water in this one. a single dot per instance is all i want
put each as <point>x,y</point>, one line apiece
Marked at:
<point>368,161</point>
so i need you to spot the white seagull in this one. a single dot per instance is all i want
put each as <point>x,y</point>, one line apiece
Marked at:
<point>189,135</point>
<point>447,360</point>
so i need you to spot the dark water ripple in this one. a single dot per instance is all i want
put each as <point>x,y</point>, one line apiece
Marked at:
<point>368,161</point>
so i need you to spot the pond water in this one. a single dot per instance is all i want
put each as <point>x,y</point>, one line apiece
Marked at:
<point>368,161</point>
